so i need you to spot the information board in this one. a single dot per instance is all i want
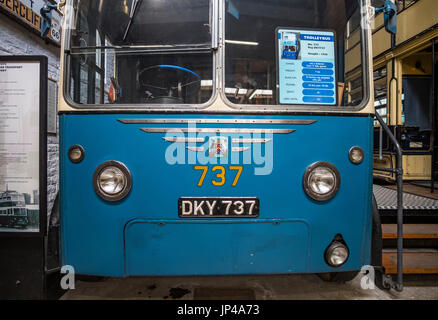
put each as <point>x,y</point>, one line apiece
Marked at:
<point>23,94</point>
<point>306,67</point>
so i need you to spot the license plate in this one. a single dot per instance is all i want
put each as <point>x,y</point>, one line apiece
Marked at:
<point>218,207</point>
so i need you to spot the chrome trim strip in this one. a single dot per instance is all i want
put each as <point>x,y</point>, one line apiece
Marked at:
<point>196,149</point>
<point>251,140</point>
<point>215,121</point>
<point>240,149</point>
<point>218,130</point>
<point>215,25</point>
<point>183,140</point>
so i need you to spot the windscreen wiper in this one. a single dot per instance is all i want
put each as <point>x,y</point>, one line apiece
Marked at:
<point>134,7</point>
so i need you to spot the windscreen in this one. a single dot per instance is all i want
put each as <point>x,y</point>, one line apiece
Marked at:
<point>293,52</point>
<point>140,52</point>
<point>277,52</point>
<point>150,22</point>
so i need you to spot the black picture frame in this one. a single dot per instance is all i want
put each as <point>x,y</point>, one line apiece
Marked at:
<point>43,79</point>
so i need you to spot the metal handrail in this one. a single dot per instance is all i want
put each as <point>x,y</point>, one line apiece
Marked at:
<point>434,107</point>
<point>399,172</point>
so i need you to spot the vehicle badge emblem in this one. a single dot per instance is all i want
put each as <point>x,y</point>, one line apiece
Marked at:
<point>218,147</point>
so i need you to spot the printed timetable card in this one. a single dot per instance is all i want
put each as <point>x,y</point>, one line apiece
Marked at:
<point>306,67</point>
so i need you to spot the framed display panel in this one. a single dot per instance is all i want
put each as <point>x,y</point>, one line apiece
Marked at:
<point>306,66</point>
<point>23,145</point>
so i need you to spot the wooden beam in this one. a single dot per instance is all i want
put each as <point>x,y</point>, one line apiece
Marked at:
<point>413,263</point>
<point>411,231</point>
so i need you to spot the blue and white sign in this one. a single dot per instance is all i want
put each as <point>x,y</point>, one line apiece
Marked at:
<point>306,67</point>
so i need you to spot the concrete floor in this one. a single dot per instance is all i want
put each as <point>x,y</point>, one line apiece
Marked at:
<point>277,287</point>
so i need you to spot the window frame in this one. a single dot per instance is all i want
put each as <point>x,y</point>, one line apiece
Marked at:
<point>144,106</point>
<point>217,51</point>
<point>301,107</point>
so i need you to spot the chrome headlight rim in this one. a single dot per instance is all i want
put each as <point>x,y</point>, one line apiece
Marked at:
<point>350,155</point>
<point>81,149</point>
<point>331,248</point>
<point>120,195</point>
<point>308,189</point>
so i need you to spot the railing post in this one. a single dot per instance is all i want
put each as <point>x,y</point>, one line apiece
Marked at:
<point>399,172</point>
<point>434,106</point>
<point>381,143</point>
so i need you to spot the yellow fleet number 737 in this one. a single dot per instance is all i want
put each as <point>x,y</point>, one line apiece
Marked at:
<point>220,173</point>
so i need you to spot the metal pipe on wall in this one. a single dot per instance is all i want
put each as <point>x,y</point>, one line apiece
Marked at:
<point>434,113</point>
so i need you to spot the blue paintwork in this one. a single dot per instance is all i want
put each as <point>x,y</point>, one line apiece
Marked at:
<point>142,235</point>
<point>290,55</point>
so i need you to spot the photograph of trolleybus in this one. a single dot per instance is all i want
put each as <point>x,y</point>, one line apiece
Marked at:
<point>177,157</point>
<point>18,211</point>
<point>290,45</point>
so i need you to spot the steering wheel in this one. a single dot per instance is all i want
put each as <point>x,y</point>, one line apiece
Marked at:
<point>166,84</point>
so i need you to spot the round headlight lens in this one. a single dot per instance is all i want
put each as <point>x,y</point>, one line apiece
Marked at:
<point>321,181</point>
<point>76,153</point>
<point>356,155</point>
<point>112,181</point>
<point>337,254</point>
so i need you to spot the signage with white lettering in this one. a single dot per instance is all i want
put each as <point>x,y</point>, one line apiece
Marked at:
<point>306,67</point>
<point>21,196</point>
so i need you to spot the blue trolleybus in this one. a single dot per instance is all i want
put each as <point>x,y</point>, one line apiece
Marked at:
<point>13,212</point>
<point>191,144</point>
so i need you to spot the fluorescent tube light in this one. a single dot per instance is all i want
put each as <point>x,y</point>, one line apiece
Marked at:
<point>244,43</point>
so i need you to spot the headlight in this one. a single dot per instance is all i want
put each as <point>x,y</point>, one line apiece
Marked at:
<point>356,155</point>
<point>112,181</point>
<point>336,254</point>
<point>76,153</point>
<point>321,181</point>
